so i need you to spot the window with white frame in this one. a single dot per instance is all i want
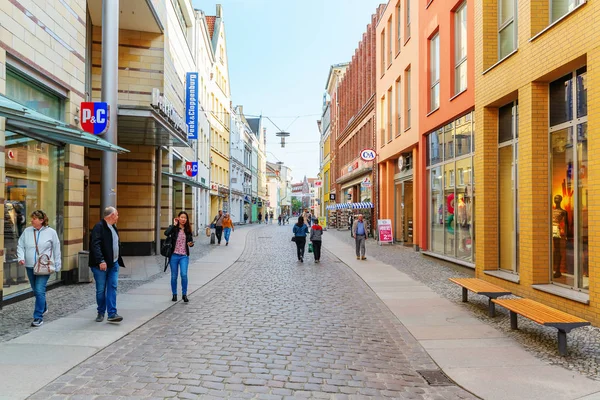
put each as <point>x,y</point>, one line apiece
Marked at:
<point>434,72</point>
<point>460,48</point>
<point>559,8</point>
<point>507,27</point>
<point>407,97</point>
<point>398,27</point>
<point>399,107</point>
<point>382,52</point>
<point>390,46</point>
<point>389,115</point>
<point>407,29</point>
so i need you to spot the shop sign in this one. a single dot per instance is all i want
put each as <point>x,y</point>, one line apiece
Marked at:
<point>191,168</point>
<point>11,155</point>
<point>259,204</point>
<point>214,186</point>
<point>366,182</point>
<point>94,117</point>
<point>167,109</point>
<point>318,184</point>
<point>191,105</point>
<point>332,196</point>
<point>384,228</point>
<point>368,155</point>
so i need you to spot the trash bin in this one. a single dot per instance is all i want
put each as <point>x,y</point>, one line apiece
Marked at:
<point>84,274</point>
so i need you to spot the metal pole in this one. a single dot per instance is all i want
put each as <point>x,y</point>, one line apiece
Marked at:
<point>110,72</point>
<point>157,197</point>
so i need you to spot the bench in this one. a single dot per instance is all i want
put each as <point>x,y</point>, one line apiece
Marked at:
<point>543,315</point>
<point>479,286</point>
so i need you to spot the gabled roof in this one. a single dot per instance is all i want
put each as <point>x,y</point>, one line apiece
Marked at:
<point>210,21</point>
<point>254,125</point>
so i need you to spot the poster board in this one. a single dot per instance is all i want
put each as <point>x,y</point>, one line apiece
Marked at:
<point>384,231</point>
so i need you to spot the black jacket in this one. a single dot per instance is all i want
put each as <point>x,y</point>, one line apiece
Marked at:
<point>101,245</point>
<point>171,234</point>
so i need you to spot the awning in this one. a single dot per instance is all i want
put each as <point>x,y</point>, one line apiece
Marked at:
<point>146,126</point>
<point>340,206</point>
<point>28,122</point>
<point>185,179</point>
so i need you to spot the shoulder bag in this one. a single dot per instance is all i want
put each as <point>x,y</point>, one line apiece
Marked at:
<point>44,264</point>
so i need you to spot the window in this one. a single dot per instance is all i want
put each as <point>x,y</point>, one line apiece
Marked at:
<point>407,29</point>
<point>398,27</point>
<point>382,52</point>
<point>398,107</point>
<point>460,49</point>
<point>507,27</point>
<point>434,72</point>
<point>29,94</point>
<point>382,121</point>
<point>559,8</point>
<point>569,180</point>
<point>389,115</point>
<point>390,47</point>
<point>508,199</point>
<point>407,97</point>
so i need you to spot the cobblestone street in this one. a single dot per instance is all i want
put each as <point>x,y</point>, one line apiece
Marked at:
<point>269,327</point>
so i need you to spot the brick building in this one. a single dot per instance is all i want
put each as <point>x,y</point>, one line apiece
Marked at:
<point>535,92</point>
<point>355,131</point>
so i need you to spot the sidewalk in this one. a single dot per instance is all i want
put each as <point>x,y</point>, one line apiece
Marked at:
<point>474,354</point>
<point>33,360</point>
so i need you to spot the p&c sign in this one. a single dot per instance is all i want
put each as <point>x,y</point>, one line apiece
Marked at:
<point>94,117</point>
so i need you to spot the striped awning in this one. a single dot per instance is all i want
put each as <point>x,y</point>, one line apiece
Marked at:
<point>341,206</point>
<point>362,205</point>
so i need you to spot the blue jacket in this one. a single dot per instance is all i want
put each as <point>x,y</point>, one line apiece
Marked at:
<point>301,231</point>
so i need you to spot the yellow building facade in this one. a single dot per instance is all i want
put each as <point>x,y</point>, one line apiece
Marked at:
<point>535,151</point>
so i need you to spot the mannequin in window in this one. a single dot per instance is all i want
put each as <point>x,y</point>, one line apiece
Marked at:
<point>560,227</point>
<point>462,211</point>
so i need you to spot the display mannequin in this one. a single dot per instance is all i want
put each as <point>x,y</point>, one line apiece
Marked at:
<point>560,227</point>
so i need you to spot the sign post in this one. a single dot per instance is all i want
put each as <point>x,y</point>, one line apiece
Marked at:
<point>384,231</point>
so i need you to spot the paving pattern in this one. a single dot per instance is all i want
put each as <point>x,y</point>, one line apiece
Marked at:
<point>268,328</point>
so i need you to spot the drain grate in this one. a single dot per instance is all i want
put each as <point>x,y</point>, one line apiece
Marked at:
<point>436,378</point>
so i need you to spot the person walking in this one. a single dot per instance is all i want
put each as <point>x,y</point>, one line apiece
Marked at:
<point>359,233</point>
<point>266,218</point>
<point>180,236</point>
<point>259,218</point>
<point>316,237</point>
<point>227,228</point>
<point>279,218</point>
<point>271,216</point>
<point>300,231</point>
<point>245,218</point>
<point>39,244</point>
<point>218,223</point>
<point>105,261</point>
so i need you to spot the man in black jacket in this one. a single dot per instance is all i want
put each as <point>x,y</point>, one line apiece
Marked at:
<point>105,260</point>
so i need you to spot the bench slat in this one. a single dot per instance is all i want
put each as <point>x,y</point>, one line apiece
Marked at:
<point>538,312</point>
<point>478,285</point>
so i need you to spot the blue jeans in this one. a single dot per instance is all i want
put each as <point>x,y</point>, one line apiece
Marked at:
<point>178,261</point>
<point>106,289</point>
<point>38,285</point>
<point>227,233</point>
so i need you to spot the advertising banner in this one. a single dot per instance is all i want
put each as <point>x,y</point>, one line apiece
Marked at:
<point>191,105</point>
<point>384,228</point>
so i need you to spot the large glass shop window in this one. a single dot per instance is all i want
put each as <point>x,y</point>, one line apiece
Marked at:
<point>32,182</point>
<point>569,183</point>
<point>451,190</point>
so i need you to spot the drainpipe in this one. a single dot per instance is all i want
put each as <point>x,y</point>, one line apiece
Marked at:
<point>110,74</point>
<point>157,198</point>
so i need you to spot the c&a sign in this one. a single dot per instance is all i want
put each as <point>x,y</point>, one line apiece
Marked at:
<point>94,117</point>
<point>191,168</point>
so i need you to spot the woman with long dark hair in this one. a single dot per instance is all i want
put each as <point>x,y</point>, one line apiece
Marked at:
<point>300,231</point>
<point>180,236</point>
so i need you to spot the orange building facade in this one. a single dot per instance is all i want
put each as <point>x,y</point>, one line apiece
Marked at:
<point>398,131</point>
<point>446,102</point>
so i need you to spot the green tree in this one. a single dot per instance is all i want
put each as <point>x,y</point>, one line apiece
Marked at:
<point>296,205</point>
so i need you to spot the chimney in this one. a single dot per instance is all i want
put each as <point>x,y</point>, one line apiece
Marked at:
<point>219,11</point>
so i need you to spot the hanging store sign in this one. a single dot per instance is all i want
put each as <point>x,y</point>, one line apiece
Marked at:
<point>94,117</point>
<point>366,182</point>
<point>332,196</point>
<point>168,110</point>
<point>191,168</point>
<point>191,105</point>
<point>368,155</point>
<point>318,184</point>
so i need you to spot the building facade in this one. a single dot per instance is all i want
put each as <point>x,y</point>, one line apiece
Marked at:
<point>236,167</point>
<point>534,164</point>
<point>325,156</point>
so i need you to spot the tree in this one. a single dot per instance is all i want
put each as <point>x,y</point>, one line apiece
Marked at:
<point>296,205</point>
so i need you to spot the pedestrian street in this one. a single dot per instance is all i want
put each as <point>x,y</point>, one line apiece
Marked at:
<point>268,327</point>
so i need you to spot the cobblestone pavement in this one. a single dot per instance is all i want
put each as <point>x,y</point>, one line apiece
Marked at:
<point>270,328</point>
<point>583,343</point>
<point>15,319</point>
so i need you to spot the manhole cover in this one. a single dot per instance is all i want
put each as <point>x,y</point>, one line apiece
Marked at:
<point>436,378</point>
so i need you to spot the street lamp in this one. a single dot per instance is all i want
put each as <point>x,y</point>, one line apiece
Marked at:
<point>281,133</point>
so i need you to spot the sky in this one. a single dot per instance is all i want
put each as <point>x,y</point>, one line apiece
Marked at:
<point>279,53</point>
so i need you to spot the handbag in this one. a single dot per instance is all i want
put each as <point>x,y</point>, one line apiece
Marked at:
<point>44,265</point>
<point>310,247</point>
<point>207,231</point>
<point>293,238</point>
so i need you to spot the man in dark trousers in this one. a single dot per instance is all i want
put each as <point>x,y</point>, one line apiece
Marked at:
<point>105,260</point>
<point>218,221</point>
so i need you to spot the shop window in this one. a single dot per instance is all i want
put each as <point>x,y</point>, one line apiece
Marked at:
<point>507,27</point>
<point>508,196</point>
<point>33,182</point>
<point>559,8</point>
<point>569,182</point>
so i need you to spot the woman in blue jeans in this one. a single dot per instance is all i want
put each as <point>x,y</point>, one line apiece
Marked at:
<point>180,236</point>
<point>300,231</point>
<point>38,240</point>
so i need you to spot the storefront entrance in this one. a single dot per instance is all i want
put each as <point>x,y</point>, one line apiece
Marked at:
<point>404,212</point>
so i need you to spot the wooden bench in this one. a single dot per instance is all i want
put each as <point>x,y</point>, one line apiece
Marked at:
<point>479,286</point>
<point>543,315</point>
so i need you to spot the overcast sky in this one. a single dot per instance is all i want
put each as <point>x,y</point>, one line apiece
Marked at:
<point>279,55</point>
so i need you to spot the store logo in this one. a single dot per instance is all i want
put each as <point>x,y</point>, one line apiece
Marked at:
<point>318,183</point>
<point>191,104</point>
<point>94,117</point>
<point>368,155</point>
<point>11,155</point>
<point>166,108</point>
<point>366,182</point>
<point>191,168</point>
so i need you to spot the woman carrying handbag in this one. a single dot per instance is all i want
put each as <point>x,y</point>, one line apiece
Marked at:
<point>39,250</point>
<point>180,236</point>
<point>300,231</point>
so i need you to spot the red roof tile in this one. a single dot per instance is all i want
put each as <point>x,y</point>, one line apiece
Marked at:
<point>210,21</point>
